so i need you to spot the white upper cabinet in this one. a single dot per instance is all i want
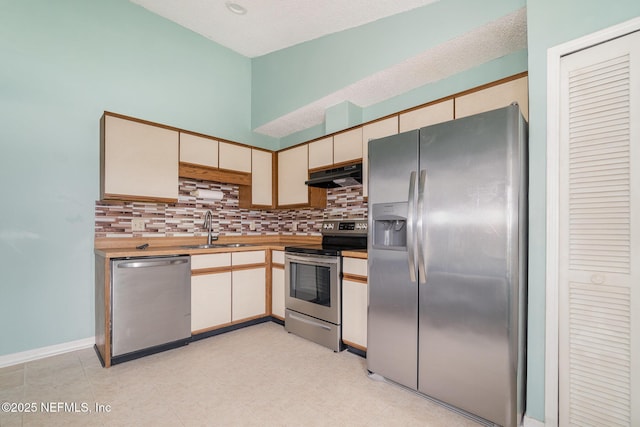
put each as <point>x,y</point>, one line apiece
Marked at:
<point>495,97</point>
<point>139,161</point>
<point>321,153</point>
<point>293,171</point>
<point>235,157</point>
<point>347,146</point>
<point>198,150</point>
<point>374,130</point>
<point>426,116</point>
<point>261,177</point>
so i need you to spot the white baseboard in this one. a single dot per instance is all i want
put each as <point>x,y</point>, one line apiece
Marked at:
<point>41,353</point>
<point>531,422</point>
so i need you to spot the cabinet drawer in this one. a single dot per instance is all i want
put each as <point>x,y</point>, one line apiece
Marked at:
<point>250,257</point>
<point>355,266</point>
<point>210,261</point>
<point>277,257</point>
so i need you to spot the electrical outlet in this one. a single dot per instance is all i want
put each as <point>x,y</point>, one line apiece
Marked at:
<point>137,224</point>
<point>294,225</point>
<point>252,226</point>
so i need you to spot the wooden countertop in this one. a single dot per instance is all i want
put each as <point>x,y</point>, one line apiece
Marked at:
<point>356,253</point>
<point>159,246</point>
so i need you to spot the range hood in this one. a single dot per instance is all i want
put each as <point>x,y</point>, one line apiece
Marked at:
<point>343,176</point>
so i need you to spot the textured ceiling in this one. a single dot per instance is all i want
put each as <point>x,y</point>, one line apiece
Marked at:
<point>271,25</point>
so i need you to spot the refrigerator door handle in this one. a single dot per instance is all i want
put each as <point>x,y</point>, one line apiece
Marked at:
<point>410,227</point>
<point>422,251</point>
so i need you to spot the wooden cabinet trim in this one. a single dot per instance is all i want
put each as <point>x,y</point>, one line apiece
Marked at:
<point>121,197</point>
<point>354,345</point>
<point>248,266</point>
<point>276,265</point>
<point>337,165</point>
<point>355,278</point>
<point>212,270</point>
<point>189,170</point>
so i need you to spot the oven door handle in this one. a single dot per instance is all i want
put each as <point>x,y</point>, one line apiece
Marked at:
<point>311,260</point>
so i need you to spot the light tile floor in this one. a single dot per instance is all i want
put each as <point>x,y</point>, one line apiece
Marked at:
<point>256,376</point>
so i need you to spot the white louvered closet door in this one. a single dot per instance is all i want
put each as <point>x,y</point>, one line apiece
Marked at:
<point>599,301</point>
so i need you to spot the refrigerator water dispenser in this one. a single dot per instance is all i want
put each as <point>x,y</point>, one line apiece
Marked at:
<point>390,226</point>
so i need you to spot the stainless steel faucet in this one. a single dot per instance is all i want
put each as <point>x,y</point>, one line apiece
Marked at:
<point>208,224</point>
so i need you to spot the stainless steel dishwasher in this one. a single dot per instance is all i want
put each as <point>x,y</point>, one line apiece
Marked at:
<point>150,305</point>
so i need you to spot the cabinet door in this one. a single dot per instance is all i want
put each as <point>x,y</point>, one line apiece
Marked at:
<point>292,173</point>
<point>598,243</point>
<point>426,116</point>
<point>354,313</point>
<point>321,153</point>
<point>277,292</point>
<point>347,146</point>
<point>249,293</point>
<point>261,177</point>
<point>495,97</point>
<point>198,150</point>
<point>234,157</point>
<point>210,300</point>
<point>374,130</point>
<point>139,161</point>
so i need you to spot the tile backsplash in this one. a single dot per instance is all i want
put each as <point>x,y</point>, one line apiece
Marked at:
<point>185,218</point>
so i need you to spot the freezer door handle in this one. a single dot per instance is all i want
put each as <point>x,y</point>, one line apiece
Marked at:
<point>411,253</point>
<point>422,251</point>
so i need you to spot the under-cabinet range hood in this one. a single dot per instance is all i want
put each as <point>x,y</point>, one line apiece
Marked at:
<point>343,176</point>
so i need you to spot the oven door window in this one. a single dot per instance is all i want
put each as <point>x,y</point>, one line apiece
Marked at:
<point>311,283</point>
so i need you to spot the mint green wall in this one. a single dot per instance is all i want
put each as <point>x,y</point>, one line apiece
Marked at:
<point>551,23</point>
<point>62,64</point>
<point>288,79</point>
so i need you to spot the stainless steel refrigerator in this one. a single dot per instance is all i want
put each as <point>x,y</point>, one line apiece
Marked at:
<point>447,262</point>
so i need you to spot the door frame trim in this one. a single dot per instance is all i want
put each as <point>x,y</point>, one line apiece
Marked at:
<point>554,57</point>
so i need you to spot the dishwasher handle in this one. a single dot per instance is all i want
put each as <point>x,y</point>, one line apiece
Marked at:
<point>152,263</point>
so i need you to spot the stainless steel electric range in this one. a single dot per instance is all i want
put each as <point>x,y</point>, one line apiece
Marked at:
<point>313,282</point>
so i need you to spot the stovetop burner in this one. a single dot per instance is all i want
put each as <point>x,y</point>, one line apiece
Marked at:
<point>337,236</point>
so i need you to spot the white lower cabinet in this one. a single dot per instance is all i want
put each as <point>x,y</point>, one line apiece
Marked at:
<point>277,292</point>
<point>355,302</point>
<point>210,300</point>
<point>354,313</point>
<point>236,293</point>
<point>248,293</point>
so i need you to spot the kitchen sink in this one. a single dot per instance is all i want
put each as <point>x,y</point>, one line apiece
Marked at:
<point>217,245</point>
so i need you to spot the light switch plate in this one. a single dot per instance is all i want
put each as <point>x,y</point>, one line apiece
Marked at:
<point>137,224</point>
<point>252,226</point>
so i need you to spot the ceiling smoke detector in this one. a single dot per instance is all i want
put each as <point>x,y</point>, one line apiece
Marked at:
<point>236,8</point>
